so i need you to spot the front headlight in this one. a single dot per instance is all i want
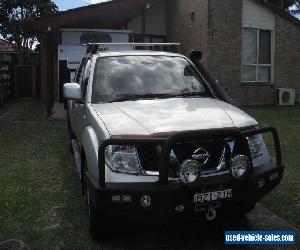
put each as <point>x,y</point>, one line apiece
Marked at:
<point>256,145</point>
<point>123,159</point>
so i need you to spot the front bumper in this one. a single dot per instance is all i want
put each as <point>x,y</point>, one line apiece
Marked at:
<point>166,196</point>
<point>165,199</point>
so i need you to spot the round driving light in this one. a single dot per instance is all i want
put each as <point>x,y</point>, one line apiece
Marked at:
<point>239,166</point>
<point>189,171</point>
<point>146,201</point>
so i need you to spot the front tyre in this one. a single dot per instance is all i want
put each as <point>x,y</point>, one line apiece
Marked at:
<point>98,223</point>
<point>94,226</point>
<point>70,133</point>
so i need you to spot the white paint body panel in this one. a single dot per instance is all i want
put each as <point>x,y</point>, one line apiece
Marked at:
<point>90,144</point>
<point>257,16</point>
<point>146,117</point>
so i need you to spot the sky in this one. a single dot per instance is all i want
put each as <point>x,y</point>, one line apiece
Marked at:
<point>70,4</point>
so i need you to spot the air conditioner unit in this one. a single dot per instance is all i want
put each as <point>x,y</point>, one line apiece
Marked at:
<point>286,97</point>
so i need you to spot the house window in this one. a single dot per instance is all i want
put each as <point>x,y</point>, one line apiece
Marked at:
<point>257,55</point>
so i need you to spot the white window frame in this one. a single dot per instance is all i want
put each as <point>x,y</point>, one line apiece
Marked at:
<point>257,65</point>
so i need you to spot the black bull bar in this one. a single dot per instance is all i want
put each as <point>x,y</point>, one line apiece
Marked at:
<point>189,136</point>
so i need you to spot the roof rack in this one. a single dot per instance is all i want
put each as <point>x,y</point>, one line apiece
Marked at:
<point>138,44</point>
<point>94,48</point>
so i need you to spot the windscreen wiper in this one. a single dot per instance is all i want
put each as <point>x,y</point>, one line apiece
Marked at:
<point>124,98</point>
<point>191,94</point>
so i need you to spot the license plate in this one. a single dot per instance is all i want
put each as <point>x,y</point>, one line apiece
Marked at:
<point>212,196</point>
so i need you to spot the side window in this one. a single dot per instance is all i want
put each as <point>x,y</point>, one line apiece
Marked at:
<point>85,77</point>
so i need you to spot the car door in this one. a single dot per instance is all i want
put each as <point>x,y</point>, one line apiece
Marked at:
<point>80,117</point>
<point>72,105</point>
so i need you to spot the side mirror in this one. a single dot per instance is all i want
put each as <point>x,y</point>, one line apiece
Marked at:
<point>72,91</point>
<point>196,56</point>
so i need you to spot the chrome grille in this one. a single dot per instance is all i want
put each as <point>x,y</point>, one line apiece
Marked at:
<point>218,151</point>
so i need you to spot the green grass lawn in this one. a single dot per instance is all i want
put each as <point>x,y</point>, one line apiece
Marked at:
<point>285,199</point>
<point>40,199</point>
<point>5,107</point>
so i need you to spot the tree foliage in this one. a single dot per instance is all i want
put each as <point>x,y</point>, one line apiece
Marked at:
<point>15,13</point>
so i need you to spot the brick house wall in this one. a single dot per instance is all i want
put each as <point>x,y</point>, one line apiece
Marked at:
<point>225,43</point>
<point>187,23</point>
<point>287,56</point>
<point>217,31</point>
<point>225,54</point>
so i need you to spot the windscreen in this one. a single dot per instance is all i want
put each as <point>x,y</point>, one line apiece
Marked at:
<point>116,78</point>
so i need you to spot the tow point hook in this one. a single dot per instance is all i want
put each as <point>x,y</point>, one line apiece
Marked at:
<point>210,210</point>
<point>211,214</point>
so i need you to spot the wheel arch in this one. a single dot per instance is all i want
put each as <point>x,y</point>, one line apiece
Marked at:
<point>89,149</point>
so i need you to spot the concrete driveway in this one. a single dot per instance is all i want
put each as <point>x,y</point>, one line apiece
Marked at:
<point>203,236</point>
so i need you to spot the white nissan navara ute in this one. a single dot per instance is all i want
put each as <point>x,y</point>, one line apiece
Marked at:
<point>155,137</point>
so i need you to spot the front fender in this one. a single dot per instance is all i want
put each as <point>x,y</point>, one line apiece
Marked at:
<point>90,144</point>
